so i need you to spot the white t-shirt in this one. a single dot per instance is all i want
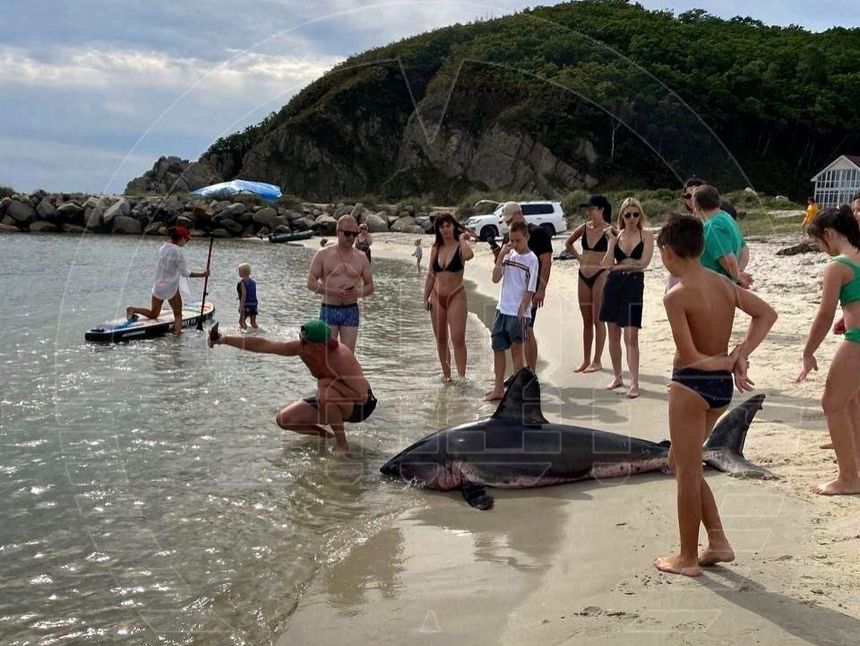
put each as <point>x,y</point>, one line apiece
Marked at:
<point>171,273</point>
<point>520,276</point>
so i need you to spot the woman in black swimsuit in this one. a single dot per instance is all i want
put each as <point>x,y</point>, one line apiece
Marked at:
<point>630,252</point>
<point>592,277</point>
<point>364,240</point>
<point>444,294</point>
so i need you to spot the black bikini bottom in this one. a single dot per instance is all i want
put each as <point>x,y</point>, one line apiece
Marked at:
<point>589,281</point>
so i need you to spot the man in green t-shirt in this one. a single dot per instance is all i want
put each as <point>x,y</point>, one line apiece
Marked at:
<point>723,239</point>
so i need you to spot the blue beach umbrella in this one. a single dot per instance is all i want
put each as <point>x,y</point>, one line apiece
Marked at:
<point>237,187</point>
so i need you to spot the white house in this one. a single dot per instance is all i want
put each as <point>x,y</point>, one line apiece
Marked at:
<point>838,183</point>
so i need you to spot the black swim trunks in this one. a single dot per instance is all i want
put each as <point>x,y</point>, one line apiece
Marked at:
<point>714,386</point>
<point>360,412</point>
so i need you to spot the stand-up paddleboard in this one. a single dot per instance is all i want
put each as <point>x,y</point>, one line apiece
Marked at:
<point>144,328</point>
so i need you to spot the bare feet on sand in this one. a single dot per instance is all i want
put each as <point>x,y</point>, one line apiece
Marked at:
<point>674,565</point>
<point>617,382</point>
<point>714,555</point>
<point>838,487</point>
<point>494,395</point>
<point>583,367</point>
<point>633,392</point>
<point>594,367</point>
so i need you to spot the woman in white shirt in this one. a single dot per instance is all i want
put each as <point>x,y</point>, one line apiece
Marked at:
<point>170,275</point>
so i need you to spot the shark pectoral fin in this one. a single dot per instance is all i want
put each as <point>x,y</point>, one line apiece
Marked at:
<point>737,466</point>
<point>477,496</point>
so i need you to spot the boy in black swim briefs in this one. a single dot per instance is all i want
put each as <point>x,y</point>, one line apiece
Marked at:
<point>701,312</point>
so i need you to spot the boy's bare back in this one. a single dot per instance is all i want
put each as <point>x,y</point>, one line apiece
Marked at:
<point>708,302</point>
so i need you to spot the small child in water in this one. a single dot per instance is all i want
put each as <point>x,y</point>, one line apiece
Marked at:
<point>247,290</point>
<point>418,254</point>
<point>837,234</point>
<point>701,312</point>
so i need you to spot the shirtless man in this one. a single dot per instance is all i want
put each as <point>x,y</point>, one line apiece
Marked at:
<point>343,394</point>
<point>336,272</point>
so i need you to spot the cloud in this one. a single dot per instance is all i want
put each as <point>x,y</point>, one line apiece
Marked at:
<point>100,69</point>
<point>101,79</point>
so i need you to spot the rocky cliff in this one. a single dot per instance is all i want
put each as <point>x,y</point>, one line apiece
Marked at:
<point>588,94</point>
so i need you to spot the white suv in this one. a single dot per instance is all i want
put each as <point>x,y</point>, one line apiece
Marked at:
<point>545,214</point>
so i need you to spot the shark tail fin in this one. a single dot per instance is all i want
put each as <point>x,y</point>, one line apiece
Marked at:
<point>724,449</point>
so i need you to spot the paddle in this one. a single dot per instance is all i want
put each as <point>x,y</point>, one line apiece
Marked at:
<point>205,285</point>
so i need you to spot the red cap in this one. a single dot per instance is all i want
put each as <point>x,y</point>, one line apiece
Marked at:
<point>182,232</point>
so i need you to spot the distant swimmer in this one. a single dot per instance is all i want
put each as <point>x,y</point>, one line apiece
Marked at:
<point>838,234</point>
<point>343,394</point>
<point>170,279</point>
<point>342,275</point>
<point>701,313</point>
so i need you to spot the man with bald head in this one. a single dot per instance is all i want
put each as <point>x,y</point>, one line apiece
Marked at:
<point>342,275</point>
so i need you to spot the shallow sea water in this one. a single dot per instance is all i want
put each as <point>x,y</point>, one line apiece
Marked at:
<point>146,494</point>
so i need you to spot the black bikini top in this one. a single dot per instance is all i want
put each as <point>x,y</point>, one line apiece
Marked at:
<point>636,254</point>
<point>453,266</point>
<point>600,245</point>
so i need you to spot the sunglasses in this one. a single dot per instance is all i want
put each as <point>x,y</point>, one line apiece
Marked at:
<point>349,234</point>
<point>630,215</point>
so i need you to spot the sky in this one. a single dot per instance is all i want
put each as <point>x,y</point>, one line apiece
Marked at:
<point>92,92</point>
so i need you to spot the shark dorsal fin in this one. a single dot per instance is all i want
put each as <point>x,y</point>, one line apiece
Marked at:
<point>521,402</point>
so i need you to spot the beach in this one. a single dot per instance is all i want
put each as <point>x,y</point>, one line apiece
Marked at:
<point>573,563</point>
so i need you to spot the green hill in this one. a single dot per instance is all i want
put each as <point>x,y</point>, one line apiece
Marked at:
<point>595,94</point>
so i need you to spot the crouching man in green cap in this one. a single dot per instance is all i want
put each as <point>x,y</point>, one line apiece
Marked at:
<point>343,394</point>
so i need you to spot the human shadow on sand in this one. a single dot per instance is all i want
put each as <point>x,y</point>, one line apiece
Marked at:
<point>809,622</point>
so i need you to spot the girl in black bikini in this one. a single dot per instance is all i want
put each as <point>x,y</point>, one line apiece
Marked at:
<point>444,295</point>
<point>592,277</point>
<point>630,253</point>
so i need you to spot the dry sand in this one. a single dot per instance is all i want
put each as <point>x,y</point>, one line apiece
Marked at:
<point>573,564</point>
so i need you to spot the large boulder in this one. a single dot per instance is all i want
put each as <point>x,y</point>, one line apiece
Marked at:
<point>41,226</point>
<point>232,226</point>
<point>21,211</point>
<point>4,204</point>
<point>325,225</point>
<point>8,228</point>
<point>406,225</point>
<point>269,218</point>
<point>282,228</point>
<point>126,225</point>
<point>72,228</point>
<point>153,229</point>
<point>70,212</point>
<point>120,208</point>
<point>377,222</point>
<point>93,218</point>
<point>236,209</point>
<point>220,233</point>
<point>302,224</point>
<point>46,211</point>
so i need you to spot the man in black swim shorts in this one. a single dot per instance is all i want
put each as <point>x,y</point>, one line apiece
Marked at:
<point>343,394</point>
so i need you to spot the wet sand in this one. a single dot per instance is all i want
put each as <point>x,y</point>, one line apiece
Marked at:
<point>573,563</point>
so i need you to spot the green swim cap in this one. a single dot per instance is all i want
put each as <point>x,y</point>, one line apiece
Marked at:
<point>316,331</point>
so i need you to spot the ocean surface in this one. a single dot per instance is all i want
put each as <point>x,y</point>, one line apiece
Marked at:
<point>146,494</point>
